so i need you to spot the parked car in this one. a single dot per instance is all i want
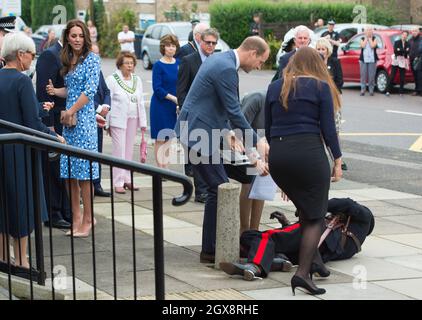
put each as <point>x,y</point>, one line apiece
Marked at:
<point>348,30</point>
<point>43,30</point>
<point>407,27</point>
<point>42,33</point>
<point>349,54</point>
<point>150,45</point>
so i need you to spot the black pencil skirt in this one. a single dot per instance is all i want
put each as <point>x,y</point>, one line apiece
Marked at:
<point>299,166</point>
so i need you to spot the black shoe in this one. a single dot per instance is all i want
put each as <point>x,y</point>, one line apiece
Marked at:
<point>281,263</point>
<point>189,173</point>
<point>320,271</point>
<point>343,166</point>
<point>249,271</point>
<point>101,193</point>
<point>58,224</point>
<point>202,198</point>
<point>206,257</point>
<point>301,283</point>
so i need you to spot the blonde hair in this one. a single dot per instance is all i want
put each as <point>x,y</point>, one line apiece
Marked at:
<point>307,62</point>
<point>324,42</point>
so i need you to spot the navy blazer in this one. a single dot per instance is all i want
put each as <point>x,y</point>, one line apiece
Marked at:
<point>211,102</point>
<point>103,93</point>
<point>282,64</point>
<point>188,69</point>
<point>186,50</point>
<point>48,67</point>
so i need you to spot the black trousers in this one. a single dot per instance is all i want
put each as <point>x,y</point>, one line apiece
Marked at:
<point>55,190</point>
<point>100,132</point>
<point>402,72</point>
<point>417,75</point>
<point>262,246</point>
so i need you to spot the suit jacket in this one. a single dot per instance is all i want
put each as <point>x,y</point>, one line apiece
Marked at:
<point>48,67</point>
<point>188,69</point>
<point>336,72</point>
<point>211,102</point>
<point>400,50</point>
<point>186,50</point>
<point>103,93</point>
<point>283,62</point>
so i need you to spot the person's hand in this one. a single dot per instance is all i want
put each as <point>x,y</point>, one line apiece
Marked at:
<point>66,117</point>
<point>47,106</point>
<point>263,149</point>
<point>61,139</point>
<point>262,168</point>
<point>235,143</point>
<point>104,111</point>
<point>337,172</point>
<point>50,88</point>
<point>101,122</point>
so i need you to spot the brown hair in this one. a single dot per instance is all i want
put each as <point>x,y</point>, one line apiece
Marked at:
<point>307,62</point>
<point>67,52</point>
<point>166,40</point>
<point>254,43</point>
<point>122,55</point>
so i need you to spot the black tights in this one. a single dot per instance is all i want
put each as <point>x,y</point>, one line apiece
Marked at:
<point>308,252</point>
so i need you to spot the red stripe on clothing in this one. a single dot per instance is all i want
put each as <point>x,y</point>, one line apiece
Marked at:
<point>264,241</point>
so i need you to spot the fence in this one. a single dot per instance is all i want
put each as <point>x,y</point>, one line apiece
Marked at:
<point>20,165</point>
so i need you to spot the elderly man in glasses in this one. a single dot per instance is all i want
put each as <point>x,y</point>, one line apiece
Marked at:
<point>188,69</point>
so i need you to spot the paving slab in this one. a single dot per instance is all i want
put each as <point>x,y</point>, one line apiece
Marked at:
<point>410,288</point>
<point>120,208</point>
<point>207,278</point>
<point>387,227</point>
<point>196,217</point>
<point>143,222</point>
<point>375,247</point>
<point>414,221</point>
<point>411,239</point>
<point>181,236</point>
<point>169,208</point>
<point>284,294</point>
<point>373,269</point>
<point>350,291</point>
<point>413,204</point>
<point>413,262</point>
<point>335,277</point>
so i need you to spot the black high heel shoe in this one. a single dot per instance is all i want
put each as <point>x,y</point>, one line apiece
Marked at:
<point>319,271</point>
<point>301,283</point>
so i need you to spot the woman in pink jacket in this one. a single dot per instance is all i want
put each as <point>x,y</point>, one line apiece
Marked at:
<point>126,116</point>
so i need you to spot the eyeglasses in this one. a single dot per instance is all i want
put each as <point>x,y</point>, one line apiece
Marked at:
<point>31,53</point>
<point>210,43</point>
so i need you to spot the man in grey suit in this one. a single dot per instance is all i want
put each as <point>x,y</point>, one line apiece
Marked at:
<point>213,102</point>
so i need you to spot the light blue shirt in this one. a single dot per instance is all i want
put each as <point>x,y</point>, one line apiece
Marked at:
<point>202,55</point>
<point>368,54</point>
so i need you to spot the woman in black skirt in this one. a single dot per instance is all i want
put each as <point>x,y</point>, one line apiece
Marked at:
<point>299,118</point>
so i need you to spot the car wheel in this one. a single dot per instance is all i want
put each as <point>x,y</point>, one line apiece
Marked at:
<point>146,62</point>
<point>381,81</point>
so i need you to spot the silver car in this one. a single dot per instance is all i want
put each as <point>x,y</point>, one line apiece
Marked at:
<point>150,46</point>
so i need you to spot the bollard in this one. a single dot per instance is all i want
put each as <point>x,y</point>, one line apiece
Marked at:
<point>228,224</point>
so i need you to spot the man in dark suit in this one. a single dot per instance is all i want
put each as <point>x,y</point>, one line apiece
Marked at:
<point>102,102</point>
<point>302,39</point>
<point>48,68</point>
<point>211,103</point>
<point>188,69</point>
<point>192,46</point>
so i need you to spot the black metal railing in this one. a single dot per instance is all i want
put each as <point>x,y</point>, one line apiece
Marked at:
<point>31,144</point>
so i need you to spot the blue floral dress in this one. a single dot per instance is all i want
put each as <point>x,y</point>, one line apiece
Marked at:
<point>84,79</point>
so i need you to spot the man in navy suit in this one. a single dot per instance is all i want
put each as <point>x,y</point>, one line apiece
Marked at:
<point>102,101</point>
<point>48,68</point>
<point>302,38</point>
<point>213,102</point>
<point>188,69</point>
<point>192,46</point>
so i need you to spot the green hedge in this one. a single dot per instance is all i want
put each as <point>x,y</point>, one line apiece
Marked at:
<point>232,19</point>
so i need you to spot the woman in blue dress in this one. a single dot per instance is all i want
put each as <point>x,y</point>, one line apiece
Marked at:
<point>81,71</point>
<point>163,114</point>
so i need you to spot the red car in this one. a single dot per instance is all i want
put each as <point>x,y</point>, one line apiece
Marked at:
<point>349,58</point>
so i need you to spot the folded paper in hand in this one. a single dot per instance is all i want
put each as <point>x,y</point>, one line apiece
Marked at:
<point>263,188</point>
<point>234,158</point>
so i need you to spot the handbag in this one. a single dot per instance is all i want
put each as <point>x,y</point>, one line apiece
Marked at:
<point>143,148</point>
<point>72,122</point>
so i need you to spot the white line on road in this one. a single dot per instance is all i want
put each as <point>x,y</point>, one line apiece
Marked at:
<point>407,113</point>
